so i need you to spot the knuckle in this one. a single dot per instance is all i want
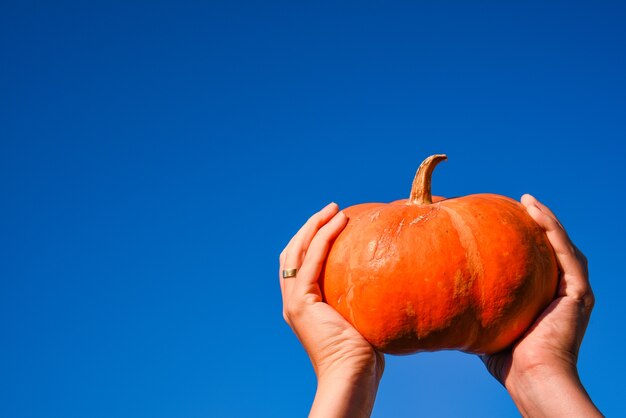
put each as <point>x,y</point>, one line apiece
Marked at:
<point>315,218</point>
<point>585,297</point>
<point>580,255</point>
<point>289,311</point>
<point>325,233</point>
<point>589,300</point>
<point>569,250</point>
<point>310,299</point>
<point>579,293</point>
<point>582,259</point>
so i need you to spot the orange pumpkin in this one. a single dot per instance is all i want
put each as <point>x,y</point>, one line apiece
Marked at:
<point>469,273</point>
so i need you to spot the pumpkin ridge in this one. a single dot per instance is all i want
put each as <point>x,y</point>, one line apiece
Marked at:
<point>474,266</point>
<point>350,295</point>
<point>469,243</point>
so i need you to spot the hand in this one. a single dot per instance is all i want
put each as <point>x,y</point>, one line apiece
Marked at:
<point>542,364</point>
<point>348,368</point>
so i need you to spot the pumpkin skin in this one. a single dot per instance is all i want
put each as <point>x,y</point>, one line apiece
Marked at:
<point>470,273</point>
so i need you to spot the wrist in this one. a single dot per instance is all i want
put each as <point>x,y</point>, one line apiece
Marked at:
<point>352,368</point>
<point>547,392</point>
<point>345,393</point>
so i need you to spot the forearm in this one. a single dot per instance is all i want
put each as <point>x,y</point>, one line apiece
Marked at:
<point>550,394</point>
<point>341,396</point>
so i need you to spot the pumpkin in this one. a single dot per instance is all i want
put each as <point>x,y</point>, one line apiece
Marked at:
<point>469,273</point>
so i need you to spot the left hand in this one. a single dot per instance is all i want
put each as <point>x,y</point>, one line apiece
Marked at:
<point>332,343</point>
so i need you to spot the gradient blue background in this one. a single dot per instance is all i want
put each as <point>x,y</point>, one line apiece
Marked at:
<point>156,157</point>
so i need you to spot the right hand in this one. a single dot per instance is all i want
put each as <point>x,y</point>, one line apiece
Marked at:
<point>543,362</point>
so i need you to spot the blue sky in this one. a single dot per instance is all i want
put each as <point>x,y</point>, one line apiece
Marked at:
<point>156,157</point>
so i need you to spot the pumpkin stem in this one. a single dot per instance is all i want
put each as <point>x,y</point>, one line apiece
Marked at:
<point>420,191</point>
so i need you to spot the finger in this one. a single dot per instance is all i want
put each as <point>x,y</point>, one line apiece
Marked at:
<point>298,236</point>
<point>318,251</point>
<point>281,266</point>
<point>296,249</point>
<point>577,253</point>
<point>575,281</point>
<point>530,200</point>
<point>281,262</point>
<point>294,253</point>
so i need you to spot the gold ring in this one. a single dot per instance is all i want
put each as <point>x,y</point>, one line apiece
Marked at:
<point>287,273</point>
